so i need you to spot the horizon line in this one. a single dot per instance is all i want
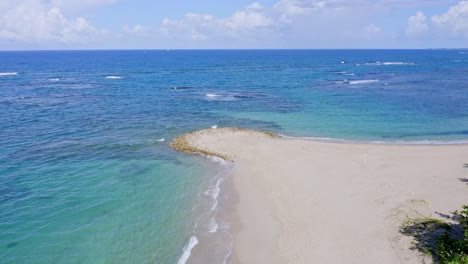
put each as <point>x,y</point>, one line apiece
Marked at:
<point>226,49</point>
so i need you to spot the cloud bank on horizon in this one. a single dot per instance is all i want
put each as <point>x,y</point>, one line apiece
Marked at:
<point>101,24</point>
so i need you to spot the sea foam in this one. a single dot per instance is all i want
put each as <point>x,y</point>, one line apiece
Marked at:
<point>218,160</point>
<point>213,226</point>
<point>354,82</point>
<point>346,73</point>
<point>114,77</point>
<point>213,95</point>
<point>188,250</point>
<point>8,73</point>
<point>389,63</point>
<point>226,97</point>
<point>214,193</point>
<point>362,81</point>
<point>228,255</point>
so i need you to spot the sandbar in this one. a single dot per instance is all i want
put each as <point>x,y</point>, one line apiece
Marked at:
<point>306,201</point>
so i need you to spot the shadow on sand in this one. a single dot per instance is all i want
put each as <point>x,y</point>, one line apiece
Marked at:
<point>444,240</point>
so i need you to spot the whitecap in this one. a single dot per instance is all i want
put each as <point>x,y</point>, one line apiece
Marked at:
<point>362,81</point>
<point>226,96</point>
<point>188,250</point>
<point>8,73</point>
<point>389,63</point>
<point>345,73</point>
<point>54,79</point>
<point>397,63</point>
<point>341,82</point>
<point>182,87</point>
<point>160,140</point>
<point>213,95</point>
<point>215,126</point>
<point>114,77</point>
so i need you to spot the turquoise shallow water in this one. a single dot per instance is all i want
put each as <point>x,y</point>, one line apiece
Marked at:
<point>86,178</point>
<point>100,211</point>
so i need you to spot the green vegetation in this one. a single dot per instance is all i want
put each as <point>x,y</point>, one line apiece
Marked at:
<point>446,242</point>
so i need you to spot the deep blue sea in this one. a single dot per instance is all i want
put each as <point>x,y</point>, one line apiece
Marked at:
<point>86,172</point>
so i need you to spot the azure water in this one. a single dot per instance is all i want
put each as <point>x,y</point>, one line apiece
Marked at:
<point>86,171</point>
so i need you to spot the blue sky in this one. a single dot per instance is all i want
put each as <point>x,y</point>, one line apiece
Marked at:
<point>157,24</point>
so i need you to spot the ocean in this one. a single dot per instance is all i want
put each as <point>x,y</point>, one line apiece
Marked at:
<point>86,171</point>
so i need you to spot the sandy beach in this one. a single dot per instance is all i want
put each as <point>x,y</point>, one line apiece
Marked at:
<point>304,201</point>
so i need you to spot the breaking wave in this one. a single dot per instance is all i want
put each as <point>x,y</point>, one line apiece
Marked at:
<point>8,73</point>
<point>188,250</point>
<point>388,63</point>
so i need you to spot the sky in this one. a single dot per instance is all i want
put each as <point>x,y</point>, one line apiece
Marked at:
<point>232,24</point>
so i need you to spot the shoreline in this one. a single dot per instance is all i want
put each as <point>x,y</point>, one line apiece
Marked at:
<point>210,232</point>
<point>303,200</point>
<point>181,144</point>
<point>422,142</point>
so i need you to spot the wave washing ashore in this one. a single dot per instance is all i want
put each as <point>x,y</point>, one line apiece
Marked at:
<point>211,231</point>
<point>303,201</point>
<point>86,157</point>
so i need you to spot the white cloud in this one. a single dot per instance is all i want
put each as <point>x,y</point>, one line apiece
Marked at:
<point>295,7</point>
<point>453,24</point>
<point>417,25</point>
<point>372,31</point>
<point>36,22</point>
<point>136,30</point>
<point>246,19</point>
<point>74,7</point>
<point>81,3</point>
<point>248,22</point>
<point>454,21</point>
<point>288,9</point>
<point>367,34</point>
<point>297,24</point>
<point>191,26</point>
<point>255,5</point>
<point>286,23</point>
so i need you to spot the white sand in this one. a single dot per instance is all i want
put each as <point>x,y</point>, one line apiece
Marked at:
<point>303,201</point>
